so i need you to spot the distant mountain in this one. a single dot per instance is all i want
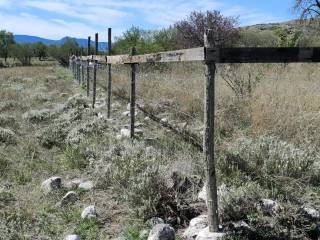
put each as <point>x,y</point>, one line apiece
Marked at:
<point>80,41</point>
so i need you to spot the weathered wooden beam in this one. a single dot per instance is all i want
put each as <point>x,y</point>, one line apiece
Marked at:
<point>208,139</point>
<point>109,75</point>
<point>192,54</point>
<point>262,55</point>
<point>132,95</point>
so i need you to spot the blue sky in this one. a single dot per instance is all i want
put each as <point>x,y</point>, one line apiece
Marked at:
<point>58,18</point>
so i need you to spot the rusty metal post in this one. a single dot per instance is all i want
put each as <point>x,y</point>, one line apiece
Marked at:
<point>109,75</point>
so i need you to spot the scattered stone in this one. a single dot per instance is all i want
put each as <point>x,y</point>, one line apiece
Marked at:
<point>182,125</point>
<point>143,234</point>
<point>126,113</point>
<point>72,237</point>
<point>86,186</point>
<point>195,226</point>
<point>73,184</point>
<point>154,221</point>
<point>205,234</point>
<point>164,120</point>
<point>240,226</point>
<point>69,198</point>
<point>36,116</point>
<point>162,232</point>
<point>125,133</point>
<point>268,206</point>
<point>310,212</point>
<point>89,212</point>
<point>146,118</point>
<point>62,95</point>
<point>7,136</point>
<point>51,184</point>
<point>138,131</point>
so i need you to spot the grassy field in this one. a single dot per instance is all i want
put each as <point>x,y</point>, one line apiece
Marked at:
<point>267,148</point>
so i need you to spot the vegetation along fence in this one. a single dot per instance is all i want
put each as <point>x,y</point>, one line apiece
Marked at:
<point>210,55</point>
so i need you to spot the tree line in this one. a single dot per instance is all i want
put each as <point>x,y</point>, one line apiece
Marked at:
<point>186,33</point>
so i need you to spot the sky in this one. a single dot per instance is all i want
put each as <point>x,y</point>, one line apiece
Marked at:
<point>81,18</point>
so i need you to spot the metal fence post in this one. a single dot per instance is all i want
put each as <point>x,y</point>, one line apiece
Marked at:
<point>208,140</point>
<point>88,78</point>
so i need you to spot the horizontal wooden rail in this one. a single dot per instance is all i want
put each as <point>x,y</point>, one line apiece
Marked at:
<point>185,55</point>
<point>218,55</point>
<point>263,55</point>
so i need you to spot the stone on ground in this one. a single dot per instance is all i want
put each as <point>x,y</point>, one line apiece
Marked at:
<point>86,186</point>
<point>154,221</point>
<point>204,234</point>
<point>310,212</point>
<point>268,206</point>
<point>125,133</point>
<point>195,226</point>
<point>51,184</point>
<point>72,237</point>
<point>89,212</point>
<point>162,232</point>
<point>69,198</point>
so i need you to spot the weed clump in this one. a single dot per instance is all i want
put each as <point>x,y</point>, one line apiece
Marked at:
<point>7,136</point>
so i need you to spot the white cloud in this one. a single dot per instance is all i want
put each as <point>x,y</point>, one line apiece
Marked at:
<point>57,18</point>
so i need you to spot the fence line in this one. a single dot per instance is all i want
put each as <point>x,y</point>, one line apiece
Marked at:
<point>210,55</point>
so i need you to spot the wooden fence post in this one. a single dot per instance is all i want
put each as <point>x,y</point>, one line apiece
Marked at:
<point>88,78</point>
<point>89,46</point>
<point>97,44</point>
<point>94,87</point>
<point>132,94</point>
<point>208,140</point>
<point>109,75</point>
<point>78,70</point>
<point>82,72</point>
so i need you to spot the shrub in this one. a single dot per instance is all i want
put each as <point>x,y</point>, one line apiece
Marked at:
<point>7,136</point>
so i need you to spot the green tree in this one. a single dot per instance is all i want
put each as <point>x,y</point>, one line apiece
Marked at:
<point>64,51</point>
<point>40,50</point>
<point>6,40</point>
<point>23,52</point>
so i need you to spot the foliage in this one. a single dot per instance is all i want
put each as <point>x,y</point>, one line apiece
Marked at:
<point>252,38</point>
<point>23,52</point>
<point>40,50</point>
<point>190,32</point>
<point>145,41</point>
<point>6,40</point>
<point>307,8</point>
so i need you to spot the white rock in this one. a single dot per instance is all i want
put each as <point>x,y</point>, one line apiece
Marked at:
<point>70,197</point>
<point>164,120</point>
<point>162,232</point>
<point>51,184</point>
<point>74,183</point>
<point>146,118</point>
<point>89,212</point>
<point>72,237</point>
<point>204,234</point>
<point>138,131</point>
<point>86,186</point>
<point>154,221</point>
<point>268,206</point>
<point>200,220</point>
<point>126,113</point>
<point>196,225</point>
<point>128,107</point>
<point>311,212</point>
<point>125,133</point>
<point>143,233</point>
